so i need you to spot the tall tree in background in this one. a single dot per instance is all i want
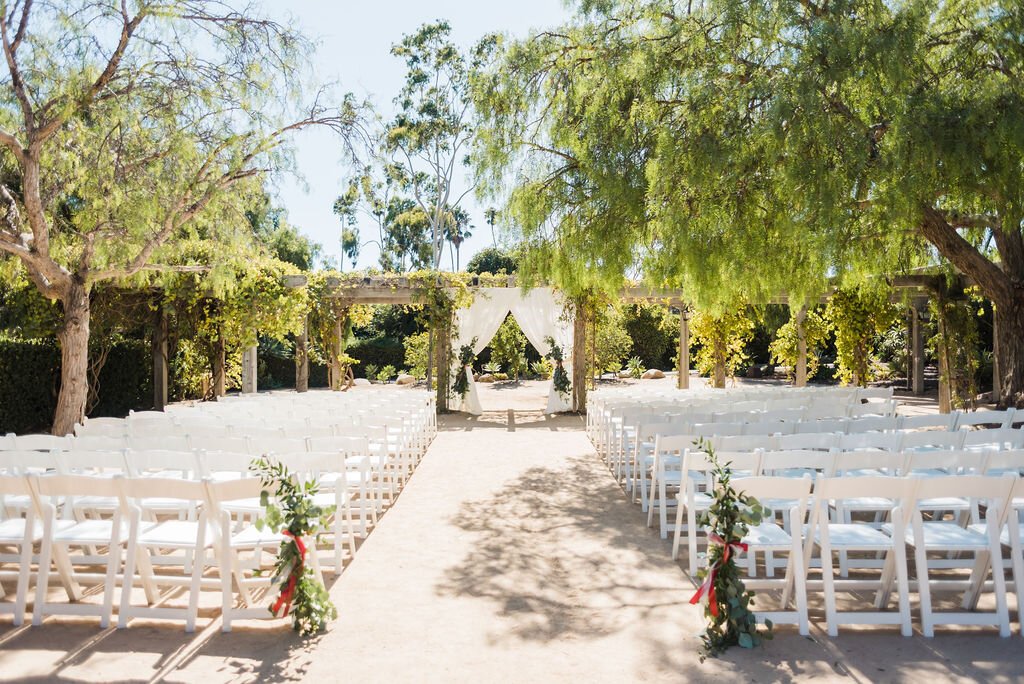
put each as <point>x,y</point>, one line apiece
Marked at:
<point>128,126</point>
<point>729,145</point>
<point>457,228</point>
<point>431,134</point>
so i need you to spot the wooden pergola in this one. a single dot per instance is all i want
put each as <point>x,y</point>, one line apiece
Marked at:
<point>365,289</point>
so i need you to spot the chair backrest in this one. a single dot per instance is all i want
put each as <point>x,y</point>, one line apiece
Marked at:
<point>931,439</point>
<point>94,462</point>
<point>25,462</point>
<point>115,427</point>
<point>930,420</point>
<point>743,442</point>
<point>221,491</point>
<point>256,433</point>
<point>994,490</point>
<point>872,424</point>
<point>136,488</point>
<point>966,419</point>
<point>279,445</point>
<point>997,438</point>
<point>766,487</point>
<point>209,462</point>
<point>826,489</point>
<point>886,441</point>
<point>159,443</point>
<point>99,443</point>
<point>1011,460</point>
<point>160,460</point>
<point>951,461</point>
<point>789,460</point>
<point>13,485</point>
<point>72,486</point>
<point>770,428</point>
<point>238,445</point>
<point>852,463</point>
<point>41,443</point>
<point>834,425</point>
<point>699,461</point>
<point>822,441</point>
<point>718,429</point>
<point>648,431</point>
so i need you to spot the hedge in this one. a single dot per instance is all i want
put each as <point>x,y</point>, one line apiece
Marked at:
<point>376,351</point>
<point>30,382</point>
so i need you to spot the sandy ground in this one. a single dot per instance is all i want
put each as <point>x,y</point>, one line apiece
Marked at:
<point>512,555</point>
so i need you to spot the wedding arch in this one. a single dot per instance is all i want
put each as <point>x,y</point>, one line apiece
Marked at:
<point>540,313</point>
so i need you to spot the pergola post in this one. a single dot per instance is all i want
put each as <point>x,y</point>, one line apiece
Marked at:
<point>160,361</point>
<point>219,366</point>
<point>917,349</point>
<point>579,358</point>
<point>683,376</point>
<point>801,349</point>
<point>335,365</point>
<point>249,357</point>
<point>302,358</point>
<point>945,391</point>
<point>442,350</point>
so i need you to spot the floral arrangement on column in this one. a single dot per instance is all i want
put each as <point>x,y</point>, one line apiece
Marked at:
<point>466,358</point>
<point>726,600</point>
<point>301,594</point>
<point>559,378</point>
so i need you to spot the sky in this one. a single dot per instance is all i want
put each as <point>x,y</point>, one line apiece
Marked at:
<point>354,44</point>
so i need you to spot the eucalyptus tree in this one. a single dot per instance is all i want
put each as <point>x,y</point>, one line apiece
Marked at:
<point>737,147</point>
<point>432,131</point>
<point>128,126</point>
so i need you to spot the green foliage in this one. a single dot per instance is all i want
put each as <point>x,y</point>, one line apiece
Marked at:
<point>28,393</point>
<point>466,358</point>
<point>721,342</point>
<point>635,367</point>
<point>542,368</point>
<point>379,352</point>
<point>290,508</point>
<point>892,347</point>
<point>386,373</point>
<point>654,332</point>
<point>956,339</point>
<point>611,341</point>
<point>492,260</point>
<point>508,347</point>
<point>125,382</point>
<point>856,317</point>
<point>282,240</point>
<point>785,348</point>
<point>371,371</point>
<point>560,379</point>
<point>417,354</point>
<point>727,611</point>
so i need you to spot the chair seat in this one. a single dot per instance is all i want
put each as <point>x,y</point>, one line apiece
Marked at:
<point>944,503</point>
<point>1004,536</point>
<point>252,536</point>
<point>13,531</point>
<point>17,503</point>
<point>331,480</point>
<point>855,536</point>
<point>323,499</point>
<point>946,536</point>
<point>243,506</point>
<point>868,503</point>
<point>701,500</point>
<point>97,503</point>
<point>768,534</point>
<point>174,534</point>
<point>87,531</point>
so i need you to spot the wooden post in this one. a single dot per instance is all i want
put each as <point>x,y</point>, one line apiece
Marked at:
<point>579,358</point>
<point>302,358</point>
<point>442,348</point>
<point>917,350</point>
<point>219,366</point>
<point>683,377</point>
<point>336,379</point>
<point>249,357</point>
<point>801,349</point>
<point>160,359</point>
<point>945,391</point>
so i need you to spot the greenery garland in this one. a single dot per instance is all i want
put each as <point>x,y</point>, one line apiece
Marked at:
<point>857,317</point>
<point>559,378</point>
<point>292,511</point>
<point>726,600</point>
<point>721,342</point>
<point>466,357</point>
<point>785,348</point>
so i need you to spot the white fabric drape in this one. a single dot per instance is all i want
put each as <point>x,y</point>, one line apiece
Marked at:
<point>538,311</point>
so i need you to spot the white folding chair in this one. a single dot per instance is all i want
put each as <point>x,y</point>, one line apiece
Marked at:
<point>23,533</point>
<point>971,419</point>
<point>980,540</point>
<point>1013,536</point>
<point>57,492</point>
<point>771,538</point>
<point>855,536</point>
<point>819,441</point>
<point>196,538</point>
<point>943,421</point>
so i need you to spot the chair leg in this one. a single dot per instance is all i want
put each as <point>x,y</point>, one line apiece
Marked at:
<point>828,584</point>
<point>677,533</point>
<point>21,592</point>
<point>128,582</point>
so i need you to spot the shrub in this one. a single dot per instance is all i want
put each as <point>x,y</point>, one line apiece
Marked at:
<point>635,367</point>
<point>611,341</point>
<point>417,349</point>
<point>509,347</point>
<point>126,380</point>
<point>371,371</point>
<point>386,373</point>
<point>654,332</point>
<point>722,342</point>
<point>29,383</point>
<point>785,347</point>
<point>542,369</point>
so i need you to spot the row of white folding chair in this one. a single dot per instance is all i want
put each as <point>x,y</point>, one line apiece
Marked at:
<point>141,539</point>
<point>913,497</point>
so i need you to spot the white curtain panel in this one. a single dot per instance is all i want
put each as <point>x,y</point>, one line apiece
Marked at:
<point>539,312</point>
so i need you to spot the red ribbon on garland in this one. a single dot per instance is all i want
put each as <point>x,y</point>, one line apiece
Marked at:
<point>708,588</point>
<point>288,593</point>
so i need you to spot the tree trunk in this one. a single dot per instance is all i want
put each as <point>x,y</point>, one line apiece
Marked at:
<point>74,360</point>
<point>219,367</point>
<point>579,357</point>
<point>1009,333</point>
<point>718,373</point>
<point>302,359</point>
